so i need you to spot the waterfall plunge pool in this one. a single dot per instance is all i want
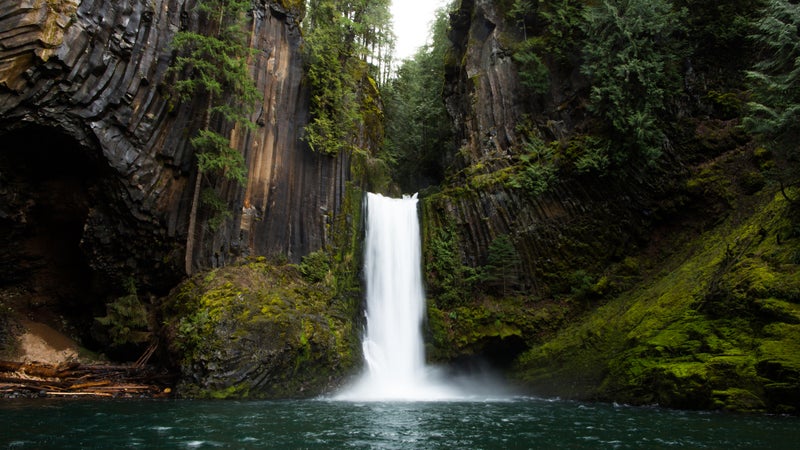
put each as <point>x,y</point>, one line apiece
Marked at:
<point>517,422</point>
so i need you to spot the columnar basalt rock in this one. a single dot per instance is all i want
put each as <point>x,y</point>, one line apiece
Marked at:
<point>95,71</point>
<point>489,108</point>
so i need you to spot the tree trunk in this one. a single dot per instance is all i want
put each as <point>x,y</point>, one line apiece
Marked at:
<point>190,234</point>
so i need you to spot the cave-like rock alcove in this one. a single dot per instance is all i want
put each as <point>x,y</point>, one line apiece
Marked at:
<point>49,182</point>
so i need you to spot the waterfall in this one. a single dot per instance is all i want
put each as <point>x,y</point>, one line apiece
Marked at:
<point>393,344</point>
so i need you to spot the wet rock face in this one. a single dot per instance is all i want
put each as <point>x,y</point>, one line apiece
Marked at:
<point>94,73</point>
<point>482,93</point>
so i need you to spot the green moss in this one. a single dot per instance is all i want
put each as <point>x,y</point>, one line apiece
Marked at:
<point>260,322</point>
<point>738,400</point>
<point>296,6</point>
<point>729,104</point>
<point>718,328</point>
<point>476,328</point>
<point>235,391</point>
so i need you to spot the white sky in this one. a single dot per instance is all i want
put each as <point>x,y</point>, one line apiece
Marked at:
<point>412,22</point>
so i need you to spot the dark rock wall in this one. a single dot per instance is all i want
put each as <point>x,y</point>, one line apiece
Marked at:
<point>573,225</point>
<point>95,71</point>
<point>482,92</point>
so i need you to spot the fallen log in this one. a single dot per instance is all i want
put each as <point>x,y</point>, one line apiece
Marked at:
<point>9,366</point>
<point>90,384</point>
<point>82,380</point>
<point>71,394</point>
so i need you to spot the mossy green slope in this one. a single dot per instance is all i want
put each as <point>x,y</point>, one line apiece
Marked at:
<point>717,328</point>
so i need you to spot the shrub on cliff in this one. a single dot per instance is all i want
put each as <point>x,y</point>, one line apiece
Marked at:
<point>348,44</point>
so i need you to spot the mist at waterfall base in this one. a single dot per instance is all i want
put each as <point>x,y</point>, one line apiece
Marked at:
<point>393,346</point>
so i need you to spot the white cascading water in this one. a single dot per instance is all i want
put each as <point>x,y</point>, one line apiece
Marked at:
<point>393,345</point>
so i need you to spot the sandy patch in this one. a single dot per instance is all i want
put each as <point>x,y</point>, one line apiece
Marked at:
<point>41,343</point>
<point>36,349</point>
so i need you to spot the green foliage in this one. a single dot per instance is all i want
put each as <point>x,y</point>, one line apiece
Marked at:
<point>315,266</point>
<point>774,112</point>
<point>299,6</point>
<point>125,321</point>
<point>591,154</point>
<point>538,170</point>
<point>631,57</point>
<point>719,29</point>
<point>418,127</point>
<point>216,155</point>
<point>550,29</point>
<point>344,40</point>
<point>503,265</point>
<point>213,64</point>
<point>533,73</point>
<point>218,207</point>
<point>727,104</point>
<point>447,279</point>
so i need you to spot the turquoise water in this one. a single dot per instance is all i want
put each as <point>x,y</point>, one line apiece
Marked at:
<point>515,423</point>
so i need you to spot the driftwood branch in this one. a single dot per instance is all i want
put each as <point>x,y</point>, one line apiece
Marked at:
<point>82,380</point>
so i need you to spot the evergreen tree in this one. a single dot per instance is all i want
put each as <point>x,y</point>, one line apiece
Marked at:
<point>503,265</point>
<point>417,124</point>
<point>348,42</point>
<point>213,64</point>
<point>632,56</point>
<point>774,112</point>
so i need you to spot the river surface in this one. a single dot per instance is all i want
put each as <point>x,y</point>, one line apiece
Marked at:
<point>521,422</point>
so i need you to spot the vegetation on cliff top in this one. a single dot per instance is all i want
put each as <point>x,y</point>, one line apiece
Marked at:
<point>418,129</point>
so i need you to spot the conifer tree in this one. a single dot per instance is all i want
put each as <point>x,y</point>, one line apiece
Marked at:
<point>631,57</point>
<point>212,64</point>
<point>347,41</point>
<point>774,112</point>
<point>503,263</point>
<point>417,124</point>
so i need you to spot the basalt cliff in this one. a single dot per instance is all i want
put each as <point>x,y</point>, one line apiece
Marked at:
<point>96,167</point>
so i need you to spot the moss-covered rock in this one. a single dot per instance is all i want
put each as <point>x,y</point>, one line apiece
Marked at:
<point>259,330</point>
<point>494,329</point>
<point>717,328</point>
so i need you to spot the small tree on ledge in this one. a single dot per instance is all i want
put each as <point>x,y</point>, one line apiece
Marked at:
<point>502,267</point>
